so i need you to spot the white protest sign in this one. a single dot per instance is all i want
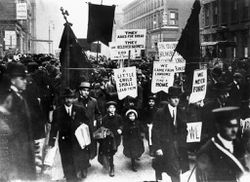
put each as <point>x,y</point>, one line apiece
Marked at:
<point>21,11</point>
<point>245,124</point>
<point>194,132</point>
<point>116,53</point>
<point>163,76</point>
<point>166,51</point>
<point>199,87</point>
<point>126,82</point>
<point>131,38</point>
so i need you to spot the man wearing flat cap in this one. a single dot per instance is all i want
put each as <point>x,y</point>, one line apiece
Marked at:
<point>169,138</point>
<point>218,159</point>
<point>92,111</point>
<point>24,156</point>
<point>66,119</point>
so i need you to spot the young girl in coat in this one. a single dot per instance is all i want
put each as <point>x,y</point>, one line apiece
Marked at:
<point>132,139</point>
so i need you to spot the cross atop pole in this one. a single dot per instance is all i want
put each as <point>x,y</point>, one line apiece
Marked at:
<point>65,13</point>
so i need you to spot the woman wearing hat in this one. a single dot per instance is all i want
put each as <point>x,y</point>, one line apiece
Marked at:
<point>132,139</point>
<point>108,146</point>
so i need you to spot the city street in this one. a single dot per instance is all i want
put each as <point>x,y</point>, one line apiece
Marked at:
<point>123,172</point>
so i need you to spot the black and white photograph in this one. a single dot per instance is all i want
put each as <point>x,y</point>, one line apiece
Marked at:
<point>124,90</point>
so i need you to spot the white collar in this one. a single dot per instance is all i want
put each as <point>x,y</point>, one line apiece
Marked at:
<point>171,109</point>
<point>14,88</point>
<point>226,143</point>
<point>68,107</point>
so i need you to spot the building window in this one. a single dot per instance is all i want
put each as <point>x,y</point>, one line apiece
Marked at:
<point>215,13</point>
<point>224,13</point>
<point>173,17</point>
<point>245,9</point>
<point>234,12</point>
<point>206,13</point>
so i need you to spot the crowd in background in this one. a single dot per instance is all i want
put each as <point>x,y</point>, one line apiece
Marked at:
<point>42,97</point>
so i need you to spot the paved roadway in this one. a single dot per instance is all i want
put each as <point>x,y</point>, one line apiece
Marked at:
<point>123,172</point>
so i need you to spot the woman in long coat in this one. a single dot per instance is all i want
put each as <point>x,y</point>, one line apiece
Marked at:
<point>132,139</point>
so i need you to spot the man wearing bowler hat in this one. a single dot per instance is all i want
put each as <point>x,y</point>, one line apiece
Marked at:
<point>218,159</point>
<point>169,138</point>
<point>92,111</point>
<point>24,154</point>
<point>66,119</point>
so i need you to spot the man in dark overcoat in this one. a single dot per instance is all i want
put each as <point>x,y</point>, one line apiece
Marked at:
<point>169,138</point>
<point>23,140</point>
<point>218,159</point>
<point>92,111</point>
<point>66,119</point>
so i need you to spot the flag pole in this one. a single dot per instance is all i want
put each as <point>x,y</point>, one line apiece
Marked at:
<point>65,14</point>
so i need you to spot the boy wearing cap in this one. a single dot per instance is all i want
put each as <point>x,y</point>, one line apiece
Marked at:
<point>169,138</point>
<point>218,160</point>
<point>108,146</point>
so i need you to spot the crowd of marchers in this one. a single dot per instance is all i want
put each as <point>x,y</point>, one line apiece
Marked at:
<point>38,113</point>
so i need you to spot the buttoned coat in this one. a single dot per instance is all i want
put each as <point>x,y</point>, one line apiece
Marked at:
<point>93,113</point>
<point>22,140</point>
<point>171,140</point>
<point>73,157</point>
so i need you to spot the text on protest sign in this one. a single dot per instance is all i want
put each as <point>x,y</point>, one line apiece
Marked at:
<point>131,38</point>
<point>163,77</point>
<point>194,132</point>
<point>199,87</point>
<point>126,82</point>
<point>166,51</point>
<point>116,53</point>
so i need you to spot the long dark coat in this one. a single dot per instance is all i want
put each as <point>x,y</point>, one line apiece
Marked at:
<point>93,113</point>
<point>215,165</point>
<point>171,140</point>
<point>22,140</point>
<point>73,157</point>
<point>132,139</point>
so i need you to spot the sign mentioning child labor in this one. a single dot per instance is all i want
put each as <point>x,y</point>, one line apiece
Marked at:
<point>199,86</point>
<point>131,38</point>
<point>163,76</point>
<point>194,132</point>
<point>126,82</point>
<point>166,51</point>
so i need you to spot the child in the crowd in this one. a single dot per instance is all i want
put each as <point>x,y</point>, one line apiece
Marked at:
<point>132,139</point>
<point>112,126</point>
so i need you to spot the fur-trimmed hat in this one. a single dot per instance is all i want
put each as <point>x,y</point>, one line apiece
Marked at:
<point>131,111</point>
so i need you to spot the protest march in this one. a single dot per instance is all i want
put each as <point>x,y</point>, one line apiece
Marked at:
<point>158,107</point>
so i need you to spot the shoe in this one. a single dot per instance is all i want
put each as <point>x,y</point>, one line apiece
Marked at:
<point>111,172</point>
<point>84,173</point>
<point>134,169</point>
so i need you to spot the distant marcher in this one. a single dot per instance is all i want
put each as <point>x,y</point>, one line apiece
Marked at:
<point>236,91</point>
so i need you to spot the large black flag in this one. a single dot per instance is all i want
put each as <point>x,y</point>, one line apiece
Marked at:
<point>100,24</point>
<point>71,56</point>
<point>189,42</point>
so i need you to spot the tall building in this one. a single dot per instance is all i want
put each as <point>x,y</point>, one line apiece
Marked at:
<point>16,26</point>
<point>163,19</point>
<point>227,20</point>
